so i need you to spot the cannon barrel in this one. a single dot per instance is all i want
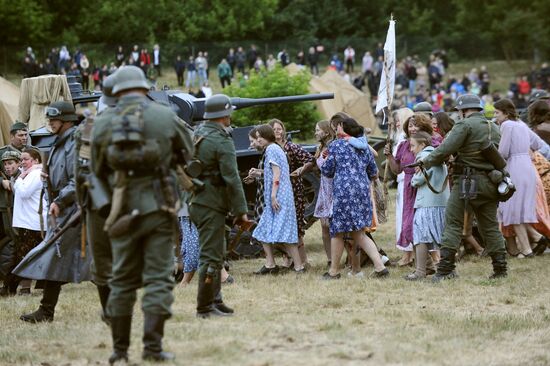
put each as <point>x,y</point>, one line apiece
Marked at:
<point>239,103</point>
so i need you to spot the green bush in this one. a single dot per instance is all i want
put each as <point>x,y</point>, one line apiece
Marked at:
<point>276,83</point>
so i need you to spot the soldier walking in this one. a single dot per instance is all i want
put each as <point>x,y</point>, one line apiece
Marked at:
<point>66,259</point>
<point>475,189</point>
<point>222,193</point>
<point>135,154</point>
<point>93,196</point>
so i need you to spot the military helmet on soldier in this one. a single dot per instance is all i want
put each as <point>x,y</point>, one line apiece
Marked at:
<point>468,101</point>
<point>217,106</point>
<point>423,107</point>
<point>108,97</point>
<point>130,77</point>
<point>11,155</point>
<point>538,94</point>
<point>62,110</point>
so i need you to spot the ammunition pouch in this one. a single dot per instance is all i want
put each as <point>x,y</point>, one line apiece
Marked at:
<point>186,182</point>
<point>100,195</point>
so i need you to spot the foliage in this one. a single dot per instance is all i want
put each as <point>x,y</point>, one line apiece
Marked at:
<point>296,116</point>
<point>466,28</point>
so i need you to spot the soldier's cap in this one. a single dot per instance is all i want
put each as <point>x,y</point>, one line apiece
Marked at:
<point>62,110</point>
<point>538,94</point>
<point>218,106</point>
<point>108,98</point>
<point>11,155</point>
<point>18,126</point>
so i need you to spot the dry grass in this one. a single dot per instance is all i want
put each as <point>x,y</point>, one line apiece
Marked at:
<point>303,320</point>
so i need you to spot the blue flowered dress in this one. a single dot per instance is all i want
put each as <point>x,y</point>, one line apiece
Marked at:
<point>280,227</point>
<point>351,168</point>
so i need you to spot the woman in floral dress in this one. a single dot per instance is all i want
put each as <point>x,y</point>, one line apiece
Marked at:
<point>352,170</point>
<point>300,162</point>
<point>278,222</point>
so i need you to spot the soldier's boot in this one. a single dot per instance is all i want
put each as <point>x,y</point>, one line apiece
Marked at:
<point>499,266</point>
<point>205,298</point>
<point>120,330</point>
<point>218,299</point>
<point>446,266</point>
<point>104,292</point>
<point>47,305</point>
<point>9,287</point>
<point>153,331</point>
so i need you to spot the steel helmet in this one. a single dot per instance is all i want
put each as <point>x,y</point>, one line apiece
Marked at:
<point>11,155</point>
<point>129,77</point>
<point>108,98</point>
<point>423,107</point>
<point>61,110</point>
<point>468,101</point>
<point>217,106</point>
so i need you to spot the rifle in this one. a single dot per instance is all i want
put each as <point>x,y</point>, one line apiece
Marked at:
<point>58,232</point>
<point>46,188</point>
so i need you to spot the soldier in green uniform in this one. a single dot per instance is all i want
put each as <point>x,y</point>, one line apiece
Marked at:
<point>467,138</point>
<point>92,195</point>
<point>135,155</point>
<point>222,193</point>
<point>18,140</point>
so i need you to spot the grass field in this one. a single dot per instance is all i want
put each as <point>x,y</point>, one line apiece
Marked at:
<point>290,320</point>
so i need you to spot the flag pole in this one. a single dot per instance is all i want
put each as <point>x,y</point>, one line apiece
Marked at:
<point>391,122</point>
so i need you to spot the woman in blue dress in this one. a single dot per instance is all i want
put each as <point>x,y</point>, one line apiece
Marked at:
<point>278,223</point>
<point>352,170</point>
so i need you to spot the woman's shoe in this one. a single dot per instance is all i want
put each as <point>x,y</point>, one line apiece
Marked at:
<point>414,277</point>
<point>328,276</point>
<point>405,262</point>
<point>524,256</point>
<point>229,280</point>
<point>382,274</point>
<point>541,246</point>
<point>266,271</point>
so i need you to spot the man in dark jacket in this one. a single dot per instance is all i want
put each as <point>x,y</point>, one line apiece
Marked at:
<point>64,260</point>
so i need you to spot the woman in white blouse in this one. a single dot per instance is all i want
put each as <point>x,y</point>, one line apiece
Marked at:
<point>26,216</point>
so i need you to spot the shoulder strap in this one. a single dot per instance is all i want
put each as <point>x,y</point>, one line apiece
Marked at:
<point>429,184</point>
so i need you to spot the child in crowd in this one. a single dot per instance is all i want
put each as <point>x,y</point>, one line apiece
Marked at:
<point>189,245</point>
<point>429,214</point>
<point>323,209</point>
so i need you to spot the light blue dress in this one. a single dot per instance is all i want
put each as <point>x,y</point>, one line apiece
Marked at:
<point>277,227</point>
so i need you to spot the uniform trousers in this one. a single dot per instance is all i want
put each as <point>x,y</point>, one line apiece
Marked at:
<point>98,239</point>
<point>485,208</point>
<point>144,257</point>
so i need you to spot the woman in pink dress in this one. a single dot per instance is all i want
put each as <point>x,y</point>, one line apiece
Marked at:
<point>403,157</point>
<point>515,144</point>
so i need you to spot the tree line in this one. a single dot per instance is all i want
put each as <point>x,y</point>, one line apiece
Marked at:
<point>467,29</point>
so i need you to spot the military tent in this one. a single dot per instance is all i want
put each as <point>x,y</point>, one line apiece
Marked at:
<point>9,98</point>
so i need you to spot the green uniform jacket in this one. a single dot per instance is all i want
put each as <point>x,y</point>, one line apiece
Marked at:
<point>4,202</point>
<point>217,154</point>
<point>162,124</point>
<point>466,140</point>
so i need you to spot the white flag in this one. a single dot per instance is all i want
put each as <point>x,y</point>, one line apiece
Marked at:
<point>389,65</point>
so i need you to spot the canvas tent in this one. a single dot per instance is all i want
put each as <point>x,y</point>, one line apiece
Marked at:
<point>36,94</point>
<point>9,99</point>
<point>347,98</point>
